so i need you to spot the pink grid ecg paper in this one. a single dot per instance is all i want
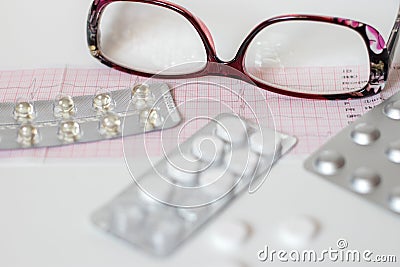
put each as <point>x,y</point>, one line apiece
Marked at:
<point>311,121</point>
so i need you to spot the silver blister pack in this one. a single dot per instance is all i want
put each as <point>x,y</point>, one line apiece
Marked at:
<point>365,157</point>
<point>193,183</point>
<point>88,118</point>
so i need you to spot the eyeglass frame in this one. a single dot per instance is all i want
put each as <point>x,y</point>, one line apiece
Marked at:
<point>380,61</point>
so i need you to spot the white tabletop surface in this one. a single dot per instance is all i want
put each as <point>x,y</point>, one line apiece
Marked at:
<point>46,207</point>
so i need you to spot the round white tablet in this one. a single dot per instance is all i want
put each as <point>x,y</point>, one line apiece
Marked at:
<point>154,190</point>
<point>164,230</point>
<point>298,231</point>
<point>208,148</point>
<point>183,168</point>
<point>217,182</point>
<point>230,235</point>
<point>232,129</point>
<point>126,216</point>
<point>242,162</point>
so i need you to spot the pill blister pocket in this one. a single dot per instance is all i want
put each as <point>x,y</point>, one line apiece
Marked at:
<point>365,157</point>
<point>105,115</point>
<point>193,183</point>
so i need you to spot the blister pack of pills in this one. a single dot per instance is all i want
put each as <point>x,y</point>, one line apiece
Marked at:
<point>365,157</point>
<point>193,183</point>
<point>81,119</point>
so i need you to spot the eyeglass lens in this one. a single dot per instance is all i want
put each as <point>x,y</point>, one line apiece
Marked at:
<point>149,38</point>
<point>308,57</point>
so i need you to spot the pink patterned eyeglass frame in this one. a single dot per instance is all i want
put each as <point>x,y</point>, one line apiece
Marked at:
<point>380,53</point>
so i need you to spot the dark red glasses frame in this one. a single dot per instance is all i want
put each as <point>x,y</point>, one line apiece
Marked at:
<point>380,54</point>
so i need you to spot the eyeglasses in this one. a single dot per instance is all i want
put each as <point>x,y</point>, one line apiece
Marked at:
<point>299,55</point>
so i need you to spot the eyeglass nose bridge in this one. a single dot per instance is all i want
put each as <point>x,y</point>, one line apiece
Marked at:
<point>232,69</point>
<point>218,67</point>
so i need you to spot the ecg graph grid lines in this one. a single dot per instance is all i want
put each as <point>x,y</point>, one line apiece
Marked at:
<point>29,84</point>
<point>313,122</point>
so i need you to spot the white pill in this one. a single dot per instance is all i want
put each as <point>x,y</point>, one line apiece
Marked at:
<point>184,168</point>
<point>126,217</point>
<point>266,142</point>
<point>193,215</point>
<point>232,129</point>
<point>217,182</point>
<point>230,235</point>
<point>154,189</point>
<point>208,148</point>
<point>163,231</point>
<point>298,231</point>
<point>241,161</point>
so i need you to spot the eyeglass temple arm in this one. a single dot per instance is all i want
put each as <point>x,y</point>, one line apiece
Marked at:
<point>393,38</point>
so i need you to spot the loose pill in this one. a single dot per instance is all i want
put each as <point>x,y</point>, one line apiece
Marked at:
<point>231,234</point>
<point>298,231</point>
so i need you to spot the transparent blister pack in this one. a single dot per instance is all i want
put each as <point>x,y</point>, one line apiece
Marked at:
<point>80,119</point>
<point>365,157</point>
<point>193,183</point>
